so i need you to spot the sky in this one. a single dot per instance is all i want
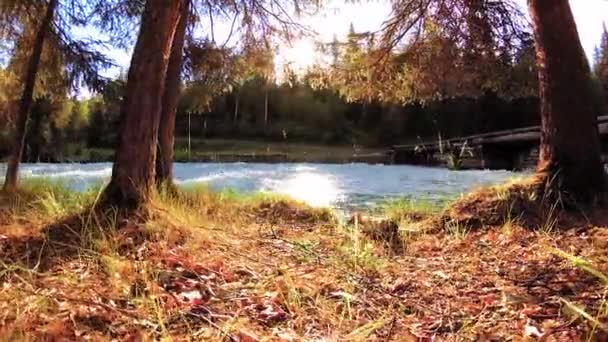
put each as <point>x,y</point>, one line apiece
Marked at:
<point>335,19</point>
<point>590,15</point>
<point>336,16</point>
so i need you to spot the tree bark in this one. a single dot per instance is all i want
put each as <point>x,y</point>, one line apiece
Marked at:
<point>133,174</point>
<point>266,89</point>
<point>25,103</point>
<point>166,134</point>
<point>570,146</point>
<point>236,107</point>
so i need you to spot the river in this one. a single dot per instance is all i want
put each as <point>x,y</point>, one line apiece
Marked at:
<point>342,186</point>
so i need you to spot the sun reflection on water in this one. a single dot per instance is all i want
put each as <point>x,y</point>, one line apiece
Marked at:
<point>318,190</point>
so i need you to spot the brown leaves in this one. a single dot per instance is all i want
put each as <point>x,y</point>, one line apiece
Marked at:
<point>300,284</point>
<point>245,336</point>
<point>288,212</point>
<point>266,309</point>
<point>58,329</point>
<point>400,285</point>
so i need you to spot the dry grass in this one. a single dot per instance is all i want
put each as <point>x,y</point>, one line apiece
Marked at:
<point>492,206</point>
<point>209,266</point>
<point>519,201</point>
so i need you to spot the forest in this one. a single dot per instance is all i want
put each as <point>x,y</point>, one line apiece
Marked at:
<point>146,254</point>
<point>299,108</point>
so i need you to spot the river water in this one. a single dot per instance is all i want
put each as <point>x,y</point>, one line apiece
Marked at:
<point>342,186</point>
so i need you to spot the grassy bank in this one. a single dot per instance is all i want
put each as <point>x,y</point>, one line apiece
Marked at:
<point>225,150</point>
<point>209,266</point>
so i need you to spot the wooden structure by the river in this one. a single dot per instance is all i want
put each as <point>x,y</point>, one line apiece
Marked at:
<point>514,149</point>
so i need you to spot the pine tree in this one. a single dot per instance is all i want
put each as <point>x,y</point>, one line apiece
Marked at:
<point>601,64</point>
<point>133,172</point>
<point>40,26</point>
<point>570,145</point>
<point>25,103</point>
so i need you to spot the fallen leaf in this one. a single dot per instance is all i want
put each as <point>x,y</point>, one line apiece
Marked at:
<point>343,295</point>
<point>489,299</point>
<point>440,274</point>
<point>400,285</point>
<point>531,331</point>
<point>245,336</point>
<point>268,312</point>
<point>529,310</point>
<point>190,296</point>
<point>285,335</point>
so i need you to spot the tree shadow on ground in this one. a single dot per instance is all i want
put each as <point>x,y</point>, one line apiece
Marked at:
<point>42,248</point>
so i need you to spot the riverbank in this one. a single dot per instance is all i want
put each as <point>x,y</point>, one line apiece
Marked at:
<point>227,267</point>
<point>226,150</point>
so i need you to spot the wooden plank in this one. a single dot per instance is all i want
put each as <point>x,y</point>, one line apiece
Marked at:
<point>523,134</point>
<point>519,137</point>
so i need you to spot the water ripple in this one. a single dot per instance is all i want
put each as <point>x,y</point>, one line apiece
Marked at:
<point>345,186</point>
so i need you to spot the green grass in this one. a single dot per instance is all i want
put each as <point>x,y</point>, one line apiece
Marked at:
<point>60,192</point>
<point>202,193</point>
<point>401,208</point>
<point>49,197</point>
<point>230,194</point>
<point>458,230</point>
<point>357,252</point>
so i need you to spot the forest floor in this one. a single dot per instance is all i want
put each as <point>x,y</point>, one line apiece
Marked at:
<point>207,267</point>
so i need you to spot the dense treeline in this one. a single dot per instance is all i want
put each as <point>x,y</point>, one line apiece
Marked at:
<point>63,130</point>
<point>298,111</point>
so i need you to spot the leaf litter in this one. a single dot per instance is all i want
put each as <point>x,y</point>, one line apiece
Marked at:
<point>266,278</point>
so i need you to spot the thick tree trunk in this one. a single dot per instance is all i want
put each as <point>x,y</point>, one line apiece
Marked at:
<point>133,173</point>
<point>25,103</point>
<point>166,134</point>
<point>570,145</point>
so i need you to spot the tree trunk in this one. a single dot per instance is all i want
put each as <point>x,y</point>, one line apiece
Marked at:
<point>236,107</point>
<point>266,104</point>
<point>133,173</point>
<point>25,103</point>
<point>570,145</point>
<point>166,134</point>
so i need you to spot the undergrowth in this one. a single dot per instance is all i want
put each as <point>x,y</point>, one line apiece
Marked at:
<point>227,266</point>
